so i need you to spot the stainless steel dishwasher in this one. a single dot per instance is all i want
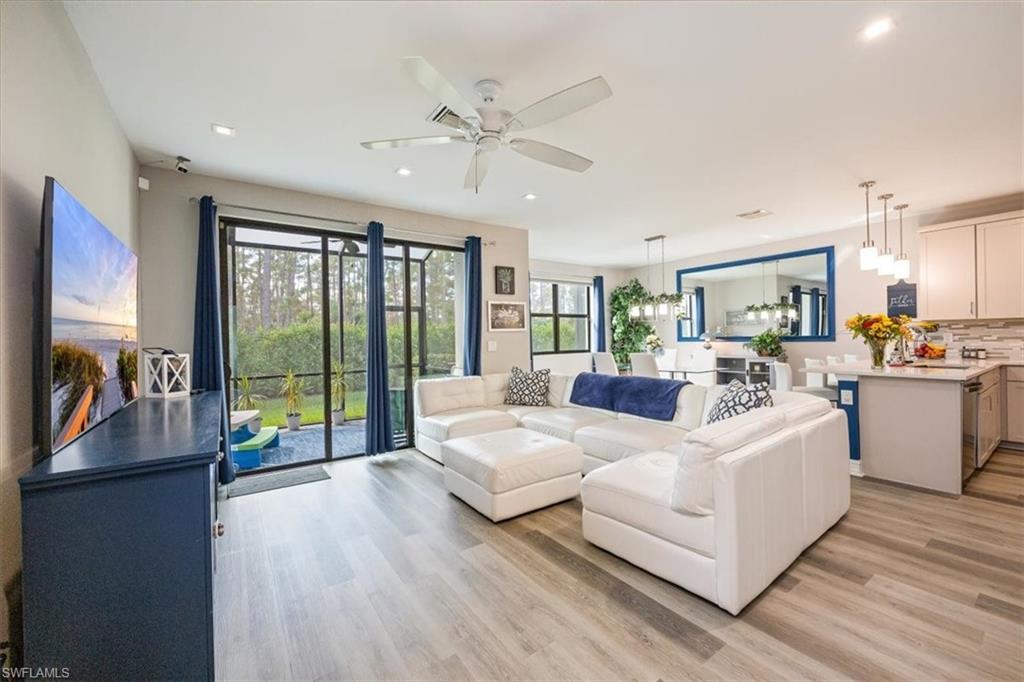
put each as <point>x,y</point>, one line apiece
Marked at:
<point>970,412</point>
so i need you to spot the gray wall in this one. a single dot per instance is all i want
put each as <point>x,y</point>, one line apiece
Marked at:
<point>168,235</point>
<point>56,121</point>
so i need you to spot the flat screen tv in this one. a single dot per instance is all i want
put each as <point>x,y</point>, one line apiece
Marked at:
<point>89,362</point>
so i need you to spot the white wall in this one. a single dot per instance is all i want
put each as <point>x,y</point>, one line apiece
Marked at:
<point>856,291</point>
<point>169,225</point>
<point>56,121</point>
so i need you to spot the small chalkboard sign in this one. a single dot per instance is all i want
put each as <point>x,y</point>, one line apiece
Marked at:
<point>902,299</point>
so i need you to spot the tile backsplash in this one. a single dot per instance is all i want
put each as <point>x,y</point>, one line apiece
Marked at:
<point>1002,338</point>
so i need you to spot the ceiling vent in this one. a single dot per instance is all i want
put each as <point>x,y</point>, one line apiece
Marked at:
<point>751,215</point>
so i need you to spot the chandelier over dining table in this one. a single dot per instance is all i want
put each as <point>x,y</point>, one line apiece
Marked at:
<point>658,307</point>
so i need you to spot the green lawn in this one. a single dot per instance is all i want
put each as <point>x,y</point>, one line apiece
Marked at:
<point>272,409</point>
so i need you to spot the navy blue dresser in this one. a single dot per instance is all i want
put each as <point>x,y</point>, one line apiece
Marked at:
<point>118,531</point>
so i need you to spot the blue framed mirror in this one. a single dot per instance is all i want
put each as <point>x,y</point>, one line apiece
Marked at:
<point>736,300</point>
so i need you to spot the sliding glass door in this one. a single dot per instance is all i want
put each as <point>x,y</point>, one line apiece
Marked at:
<point>295,320</point>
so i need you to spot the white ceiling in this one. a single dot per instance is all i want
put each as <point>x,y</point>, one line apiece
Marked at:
<point>719,108</point>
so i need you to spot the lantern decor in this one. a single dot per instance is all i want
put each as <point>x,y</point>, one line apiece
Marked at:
<point>167,374</point>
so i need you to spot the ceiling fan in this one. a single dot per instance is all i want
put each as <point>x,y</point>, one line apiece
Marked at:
<point>490,128</point>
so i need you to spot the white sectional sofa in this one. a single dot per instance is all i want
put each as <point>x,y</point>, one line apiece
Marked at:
<point>719,509</point>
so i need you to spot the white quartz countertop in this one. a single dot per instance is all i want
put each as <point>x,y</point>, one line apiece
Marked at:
<point>942,370</point>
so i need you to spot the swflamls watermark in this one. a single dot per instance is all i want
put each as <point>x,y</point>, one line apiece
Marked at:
<point>55,673</point>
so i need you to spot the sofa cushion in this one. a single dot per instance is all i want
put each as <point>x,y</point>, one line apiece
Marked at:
<point>798,408</point>
<point>520,411</point>
<point>528,388</point>
<point>510,459</point>
<point>637,491</point>
<point>738,399</point>
<point>694,477</point>
<point>689,409</point>
<point>563,422</point>
<point>466,421</point>
<point>557,387</point>
<point>451,393</point>
<point>495,388</point>
<point>613,440</point>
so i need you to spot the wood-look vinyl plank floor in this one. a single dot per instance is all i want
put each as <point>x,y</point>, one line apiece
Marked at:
<point>379,573</point>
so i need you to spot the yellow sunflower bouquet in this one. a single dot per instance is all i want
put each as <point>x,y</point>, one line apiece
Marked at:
<point>877,331</point>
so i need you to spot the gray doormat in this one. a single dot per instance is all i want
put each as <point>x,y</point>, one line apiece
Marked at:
<point>258,483</point>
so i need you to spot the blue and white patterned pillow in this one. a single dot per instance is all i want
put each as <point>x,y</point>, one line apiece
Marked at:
<point>528,388</point>
<point>739,398</point>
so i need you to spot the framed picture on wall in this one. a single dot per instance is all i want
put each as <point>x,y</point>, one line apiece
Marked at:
<point>504,280</point>
<point>506,316</point>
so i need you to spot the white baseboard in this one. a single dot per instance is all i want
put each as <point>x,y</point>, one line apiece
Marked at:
<point>855,469</point>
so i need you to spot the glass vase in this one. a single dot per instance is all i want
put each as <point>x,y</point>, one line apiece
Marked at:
<point>877,352</point>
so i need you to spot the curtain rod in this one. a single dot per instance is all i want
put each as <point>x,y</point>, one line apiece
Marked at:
<point>434,235</point>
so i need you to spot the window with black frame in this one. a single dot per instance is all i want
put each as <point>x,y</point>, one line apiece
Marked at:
<point>559,317</point>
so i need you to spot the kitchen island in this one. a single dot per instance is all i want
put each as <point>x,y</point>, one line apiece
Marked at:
<point>931,424</point>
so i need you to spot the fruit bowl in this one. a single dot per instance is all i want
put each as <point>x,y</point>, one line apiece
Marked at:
<point>930,351</point>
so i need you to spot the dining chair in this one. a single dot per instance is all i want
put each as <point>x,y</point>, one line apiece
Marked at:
<point>703,362</point>
<point>643,365</point>
<point>604,363</point>
<point>666,361</point>
<point>831,379</point>
<point>816,381</point>
<point>782,376</point>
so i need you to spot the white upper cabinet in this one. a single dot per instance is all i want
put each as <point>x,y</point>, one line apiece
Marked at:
<point>972,269</point>
<point>1001,269</point>
<point>947,274</point>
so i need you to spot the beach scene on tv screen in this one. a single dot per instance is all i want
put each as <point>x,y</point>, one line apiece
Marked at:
<point>94,320</point>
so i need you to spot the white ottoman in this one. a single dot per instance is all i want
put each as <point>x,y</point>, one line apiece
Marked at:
<point>511,472</point>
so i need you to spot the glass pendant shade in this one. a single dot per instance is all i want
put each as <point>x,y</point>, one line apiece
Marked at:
<point>868,256</point>
<point>901,267</point>
<point>648,311</point>
<point>634,312</point>
<point>751,315</point>
<point>663,310</point>
<point>764,315</point>
<point>794,314</point>
<point>885,263</point>
<point>778,314</point>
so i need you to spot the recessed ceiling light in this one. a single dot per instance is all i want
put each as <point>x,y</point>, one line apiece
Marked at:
<point>222,129</point>
<point>403,171</point>
<point>529,196</point>
<point>877,28</point>
<point>757,213</point>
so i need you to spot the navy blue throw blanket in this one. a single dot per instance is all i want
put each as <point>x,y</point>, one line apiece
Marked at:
<point>640,396</point>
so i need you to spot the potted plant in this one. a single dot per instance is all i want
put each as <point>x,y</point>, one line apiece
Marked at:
<point>877,331</point>
<point>338,390</point>
<point>291,390</point>
<point>767,344</point>
<point>654,344</point>
<point>248,399</point>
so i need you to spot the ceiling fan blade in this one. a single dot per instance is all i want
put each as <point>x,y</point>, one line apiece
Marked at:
<point>568,101</point>
<point>411,142</point>
<point>546,153</point>
<point>477,171</point>
<point>431,80</point>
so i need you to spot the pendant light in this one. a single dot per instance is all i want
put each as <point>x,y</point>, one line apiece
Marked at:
<point>664,310</point>
<point>868,252</point>
<point>648,312</point>
<point>885,260</point>
<point>901,268</point>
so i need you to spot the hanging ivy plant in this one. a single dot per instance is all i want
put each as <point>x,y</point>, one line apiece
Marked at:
<point>628,334</point>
